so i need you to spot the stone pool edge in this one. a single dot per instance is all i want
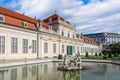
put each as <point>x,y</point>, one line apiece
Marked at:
<point>95,61</point>
<point>36,61</point>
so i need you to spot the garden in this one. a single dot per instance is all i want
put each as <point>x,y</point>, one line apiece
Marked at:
<point>111,53</point>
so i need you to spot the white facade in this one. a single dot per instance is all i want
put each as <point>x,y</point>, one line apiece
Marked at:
<point>25,43</point>
<point>44,38</point>
<point>10,32</point>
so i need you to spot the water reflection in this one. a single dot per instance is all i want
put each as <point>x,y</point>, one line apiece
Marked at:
<point>1,75</point>
<point>71,75</point>
<point>48,71</point>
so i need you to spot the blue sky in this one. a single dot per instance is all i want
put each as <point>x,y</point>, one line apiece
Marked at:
<point>90,16</point>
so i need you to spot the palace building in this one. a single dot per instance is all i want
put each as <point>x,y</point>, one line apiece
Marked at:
<point>23,37</point>
<point>105,38</point>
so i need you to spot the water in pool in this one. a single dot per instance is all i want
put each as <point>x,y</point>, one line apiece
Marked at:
<point>48,71</point>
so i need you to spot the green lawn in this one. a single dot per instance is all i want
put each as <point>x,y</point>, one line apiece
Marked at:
<point>101,58</point>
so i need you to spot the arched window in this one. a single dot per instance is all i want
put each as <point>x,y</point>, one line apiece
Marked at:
<point>2,19</point>
<point>62,33</point>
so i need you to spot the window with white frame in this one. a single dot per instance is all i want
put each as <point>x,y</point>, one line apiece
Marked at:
<point>14,45</point>
<point>25,24</point>
<point>45,47</point>
<point>34,46</point>
<point>2,19</point>
<point>2,44</point>
<point>25,45</point>
<point>54,48</point>
<point>63,48</point>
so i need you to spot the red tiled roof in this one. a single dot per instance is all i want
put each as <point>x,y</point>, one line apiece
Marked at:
<point>86,39</point>
<point>17,19</point>
<point>77,35</point>
<point>16,15</point>
<point>55,17</point>
<point>44,24</point>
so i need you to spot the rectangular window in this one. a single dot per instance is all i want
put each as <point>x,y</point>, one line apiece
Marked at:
<point>34,46</point>
<point>54,48</point>
<point>45,47</point>
<point>62,48</point>
<point>14,45</point>
<point>2,44</point>
<point>25,45</point>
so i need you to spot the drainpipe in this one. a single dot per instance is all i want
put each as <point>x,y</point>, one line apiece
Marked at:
<point>59,43</point>
<point>38,26</point>
<point>37,44</point>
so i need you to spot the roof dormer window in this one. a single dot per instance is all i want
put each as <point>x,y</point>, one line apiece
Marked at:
<point>25,24</point>
<point>2,19</point>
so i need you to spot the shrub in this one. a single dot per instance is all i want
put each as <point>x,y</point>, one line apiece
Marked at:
<point>100,54</point>
<point>60,56</point>
<point>104,57</point>
<point>110,55</point>
<point>86,55</point>
<point>96,54</point>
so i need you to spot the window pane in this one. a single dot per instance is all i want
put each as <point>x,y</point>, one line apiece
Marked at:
<point>45,47</point>
<point>25,45</point>
<point>34,46</point>
<point>2,44</point>
<point>54,48</point>
<point>62,48</point>
<point>1,18</point>
<point>14,45</point>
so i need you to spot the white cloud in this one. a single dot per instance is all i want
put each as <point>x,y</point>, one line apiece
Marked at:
<point>96,16</point>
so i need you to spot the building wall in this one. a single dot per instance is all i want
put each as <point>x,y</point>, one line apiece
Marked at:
<point>91,49</point>
<point>44,37</point>
<point>105,38</point>
<point>8,32</point>
<point>12,25</point>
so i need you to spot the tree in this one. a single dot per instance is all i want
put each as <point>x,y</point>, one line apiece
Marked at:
<point>100,54</point>
<point>116,49</point>
<point>86,55</point>
<point>96,54</point>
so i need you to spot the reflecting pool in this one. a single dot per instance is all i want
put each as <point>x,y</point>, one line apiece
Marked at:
<point>48,71</point>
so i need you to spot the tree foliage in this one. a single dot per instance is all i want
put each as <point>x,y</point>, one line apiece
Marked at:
<point>116,49</point>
